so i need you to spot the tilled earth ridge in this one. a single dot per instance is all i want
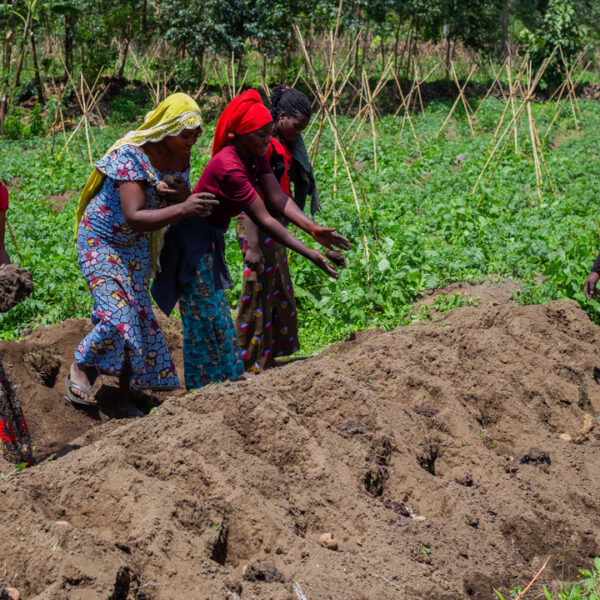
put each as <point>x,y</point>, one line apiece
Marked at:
<point>455,421</point>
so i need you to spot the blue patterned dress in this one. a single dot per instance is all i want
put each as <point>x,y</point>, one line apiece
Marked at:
<point>116,262</point>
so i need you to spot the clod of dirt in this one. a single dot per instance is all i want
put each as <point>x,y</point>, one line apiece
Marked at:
<point>167,183</point>
<point>351,337</point>
<point>327,540</point>
<point>336,257</point>
<point>263,571</point>
<point>535,456</point>
<point>15,285</point>
<point>565,437</point>
<point>466,480</point>
<point>353,427</point>
<point>426,410</point>
<point>45,367</point>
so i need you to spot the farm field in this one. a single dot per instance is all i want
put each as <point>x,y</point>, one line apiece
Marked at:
<point>448,438</point>
<point>424,228</point>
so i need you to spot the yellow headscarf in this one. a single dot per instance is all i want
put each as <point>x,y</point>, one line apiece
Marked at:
<point>171,117</point>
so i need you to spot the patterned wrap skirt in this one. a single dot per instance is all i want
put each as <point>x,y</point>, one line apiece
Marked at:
<point>211,352</point>
<point>266,321</point>
<point>14,435</point>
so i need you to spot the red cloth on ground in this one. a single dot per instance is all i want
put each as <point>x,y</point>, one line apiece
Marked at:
<point>245,113</point>
<point>233,181</point>
<point>3,197</point>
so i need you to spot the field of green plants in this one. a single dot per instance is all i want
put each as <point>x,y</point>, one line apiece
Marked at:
<point>424,229</point>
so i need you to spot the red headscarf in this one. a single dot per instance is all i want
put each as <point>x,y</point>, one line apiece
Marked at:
<point>245,113</point>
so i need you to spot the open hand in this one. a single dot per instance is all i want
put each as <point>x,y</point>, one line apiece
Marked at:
<point>318,259</point>
<point>327,236</point>
<point>589,287</point>
<point>199,205</point>
<point>255,259</point>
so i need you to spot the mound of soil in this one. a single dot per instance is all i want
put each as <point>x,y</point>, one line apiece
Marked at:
<point>15,285</point>
<point>402,444</point>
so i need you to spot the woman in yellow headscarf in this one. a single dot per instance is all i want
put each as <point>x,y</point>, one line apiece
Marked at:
<point>119,209</point>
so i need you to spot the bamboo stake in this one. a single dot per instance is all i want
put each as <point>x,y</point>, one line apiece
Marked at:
<point>465,103</point>
<point>533,580</point>
<point>512,105</point>
<point>494,83</point>
<point>14,239</point>
<point>514,121</point>
<point>337,141</point>
<point>562,104</point>
<point>460,92</point>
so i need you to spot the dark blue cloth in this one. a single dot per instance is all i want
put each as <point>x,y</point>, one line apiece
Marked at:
<point>186,242</point>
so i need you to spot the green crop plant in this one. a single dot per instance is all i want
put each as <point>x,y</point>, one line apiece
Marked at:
<point>431,231</point>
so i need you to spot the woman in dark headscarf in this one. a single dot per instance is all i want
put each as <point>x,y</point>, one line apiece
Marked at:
<point>194,271</point>
<point>266,321</point>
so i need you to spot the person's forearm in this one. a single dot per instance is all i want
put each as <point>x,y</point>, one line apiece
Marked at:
<point>273,227</point>
<point>596,266</point>
<point>152,220</point>
<point>252,231</point>
<point>291,211</point>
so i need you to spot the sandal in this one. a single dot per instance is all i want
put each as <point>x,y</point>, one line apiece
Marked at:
<point>77,400</point>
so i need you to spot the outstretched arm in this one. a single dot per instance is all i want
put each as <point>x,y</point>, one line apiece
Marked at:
<point>282,203</point>
<point>260,215</point>
<point>4,258</point>
<point>139,218</point>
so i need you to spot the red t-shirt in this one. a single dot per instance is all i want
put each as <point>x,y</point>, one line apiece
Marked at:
<point>233,181</point>
<point>3,197</point>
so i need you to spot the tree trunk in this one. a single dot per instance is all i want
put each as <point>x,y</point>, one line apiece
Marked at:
<point>8,44</point>
<point>36,68</point>
<point>20,59</point>
<point>396,44</point>
<point>124,60</point>
<point>505,17</point>
<point>69,42</point>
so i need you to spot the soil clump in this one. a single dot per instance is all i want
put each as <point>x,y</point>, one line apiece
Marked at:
<point>15,285</point>
<point>429,503</point>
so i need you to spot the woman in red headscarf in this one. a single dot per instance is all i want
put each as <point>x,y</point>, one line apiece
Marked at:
<point>193,268</point>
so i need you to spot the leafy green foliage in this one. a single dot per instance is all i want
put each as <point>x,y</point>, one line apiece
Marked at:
<point>559,26</point>
<point>430,230</point>
<point>587,589</point>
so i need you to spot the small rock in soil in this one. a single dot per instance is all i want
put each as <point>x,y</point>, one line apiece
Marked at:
<point>565,437</point>
<point>353,426</point>
<point>327,540</point>
<point>534,456</point>
<point>15,285</point>
<point>263,571</point>
<point>467,480</point>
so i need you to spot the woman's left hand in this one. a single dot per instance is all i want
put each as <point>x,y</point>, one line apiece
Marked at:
<point>327,236</point>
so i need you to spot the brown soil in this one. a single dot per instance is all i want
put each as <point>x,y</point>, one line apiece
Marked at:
<point>57,201</point>
<point>402,444</point>
<point>15,285</point>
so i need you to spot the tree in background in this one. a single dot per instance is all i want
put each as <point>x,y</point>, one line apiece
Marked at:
<point>558,25</point>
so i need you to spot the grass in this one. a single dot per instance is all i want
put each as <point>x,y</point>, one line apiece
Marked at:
<point>430,230</point>
<point>588,588</point>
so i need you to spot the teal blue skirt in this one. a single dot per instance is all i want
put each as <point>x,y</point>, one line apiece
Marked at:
<point>211,351</point>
